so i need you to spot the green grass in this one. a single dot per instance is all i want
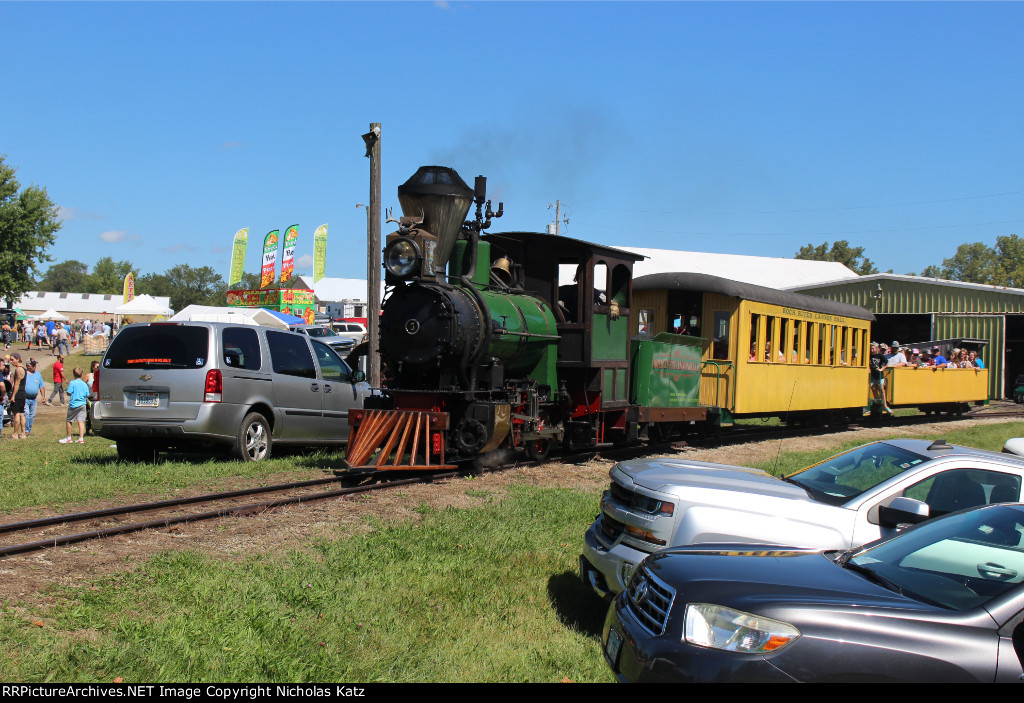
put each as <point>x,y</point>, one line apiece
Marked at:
<point>41,472</point>
<point>488,593</point>
<point>991,437</point>
<point>484,594</point>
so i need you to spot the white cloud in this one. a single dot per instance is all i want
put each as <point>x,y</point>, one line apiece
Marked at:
<point>115,235</point>
<point>304,262</point>
<point>68,214</point>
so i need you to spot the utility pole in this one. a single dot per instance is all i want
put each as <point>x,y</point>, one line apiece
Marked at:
<point>372,140</point>
<point>558,216</point>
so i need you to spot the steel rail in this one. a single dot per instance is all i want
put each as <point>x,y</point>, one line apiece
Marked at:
<point>251,508</point>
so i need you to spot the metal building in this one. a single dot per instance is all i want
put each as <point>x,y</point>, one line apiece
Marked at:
<point>912,309</point>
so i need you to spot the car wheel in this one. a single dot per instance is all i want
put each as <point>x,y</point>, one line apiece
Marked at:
<point>136,451</point>
<point>254,440</point>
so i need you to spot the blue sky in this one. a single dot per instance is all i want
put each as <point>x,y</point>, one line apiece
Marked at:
<point>161,128</point>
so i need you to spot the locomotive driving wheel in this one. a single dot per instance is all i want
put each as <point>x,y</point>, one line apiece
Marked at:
<point>537,449</point>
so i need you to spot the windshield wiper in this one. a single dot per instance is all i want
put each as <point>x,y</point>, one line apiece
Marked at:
<point>872,575</point>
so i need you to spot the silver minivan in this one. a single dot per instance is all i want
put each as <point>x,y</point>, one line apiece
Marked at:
<point>222,386</point>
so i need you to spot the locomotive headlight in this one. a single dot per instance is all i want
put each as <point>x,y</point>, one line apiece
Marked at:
<point>402,257</point>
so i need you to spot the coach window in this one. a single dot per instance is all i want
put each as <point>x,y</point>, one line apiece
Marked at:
<point>755,324</point>
<point>783,346</point>
<point>720,346</point>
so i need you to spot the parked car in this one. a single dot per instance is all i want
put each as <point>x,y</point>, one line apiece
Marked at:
<point>222,386</point>
<point>356,331</point>
<point>340,343</point>
<point>844,501</point>
<point>942,601</point>
<point>1018,389</point>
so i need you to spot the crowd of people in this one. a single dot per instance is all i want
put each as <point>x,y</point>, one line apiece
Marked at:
<point>22,388</point>
<point>58,337</point>
<point>884,356</point>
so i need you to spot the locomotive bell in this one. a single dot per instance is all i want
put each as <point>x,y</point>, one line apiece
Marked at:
<point>443,199</point>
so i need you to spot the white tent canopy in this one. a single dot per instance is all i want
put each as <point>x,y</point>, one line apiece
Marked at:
<point>51,314</point>
<point>240,316</point>
<point>142,305</point>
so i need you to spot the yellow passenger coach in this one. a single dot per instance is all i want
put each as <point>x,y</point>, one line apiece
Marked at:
<point>765,352</point>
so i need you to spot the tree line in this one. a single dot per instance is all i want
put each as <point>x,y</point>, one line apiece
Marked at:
<point>999,265</point>
<point>185,285</point>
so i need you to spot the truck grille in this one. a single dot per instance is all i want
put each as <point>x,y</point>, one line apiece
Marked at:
<point>649,600</point>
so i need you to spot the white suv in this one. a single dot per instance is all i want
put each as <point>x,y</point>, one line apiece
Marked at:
<point>351,330</point>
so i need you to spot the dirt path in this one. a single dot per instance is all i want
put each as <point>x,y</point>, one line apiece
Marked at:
<point>23,577</point>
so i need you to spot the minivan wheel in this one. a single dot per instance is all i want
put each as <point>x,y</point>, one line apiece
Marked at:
<point>254,440</point>
<point>136,451</point>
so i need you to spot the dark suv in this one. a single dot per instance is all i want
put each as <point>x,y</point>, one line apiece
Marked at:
<point>216,385</point>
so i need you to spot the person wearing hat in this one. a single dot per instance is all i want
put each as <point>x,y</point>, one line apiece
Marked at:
<point>878,362</point>
<point>34,385</point>
<point>898,358</point>
<point>938,360</point>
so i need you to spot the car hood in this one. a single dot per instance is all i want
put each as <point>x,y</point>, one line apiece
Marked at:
<point>663,475</point>
<point>756,577</point>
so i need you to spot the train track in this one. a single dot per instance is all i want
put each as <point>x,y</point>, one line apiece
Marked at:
<point>168,513</point>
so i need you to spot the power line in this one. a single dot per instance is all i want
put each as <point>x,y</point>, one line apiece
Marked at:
<point>791,234</point>
<point>793,212</point>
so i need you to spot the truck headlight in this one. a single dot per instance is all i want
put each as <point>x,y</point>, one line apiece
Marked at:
<point>401,257</point>
<point>718,627</point>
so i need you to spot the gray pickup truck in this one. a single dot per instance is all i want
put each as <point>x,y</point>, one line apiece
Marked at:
<point>842,502</point>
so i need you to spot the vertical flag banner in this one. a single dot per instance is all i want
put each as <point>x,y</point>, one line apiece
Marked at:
<point>129,288</point>
<point>238,256</point>
<point>269,259</point>
<point>319,252</point>
<point>288,262</point>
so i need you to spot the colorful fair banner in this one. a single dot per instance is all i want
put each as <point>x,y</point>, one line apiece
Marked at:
<point>288,262</point>
<point>129,289</point>
<point>319,252</point>
<point>269,259</point>
<point>238,256</point>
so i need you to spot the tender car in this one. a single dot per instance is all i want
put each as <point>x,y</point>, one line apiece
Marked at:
<point>942,601</point>
<point>323,333</point>
<point>222,386</point>
<point>847,500</point>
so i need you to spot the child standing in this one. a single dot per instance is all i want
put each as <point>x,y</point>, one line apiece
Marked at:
<point>78,392</point>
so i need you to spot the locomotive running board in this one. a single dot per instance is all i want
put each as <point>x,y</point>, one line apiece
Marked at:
<point>382,435</point>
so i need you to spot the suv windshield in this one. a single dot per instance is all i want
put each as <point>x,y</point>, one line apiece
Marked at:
<point>159,346</point>
<point>847,475</point>
<point>957,562</point>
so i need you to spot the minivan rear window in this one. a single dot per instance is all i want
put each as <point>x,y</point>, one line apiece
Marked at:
<point>158,347</point>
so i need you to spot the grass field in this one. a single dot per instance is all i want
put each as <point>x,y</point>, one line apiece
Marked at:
<point>485,592</point>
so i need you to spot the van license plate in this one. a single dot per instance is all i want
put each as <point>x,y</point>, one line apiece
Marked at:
<point>147,400</point>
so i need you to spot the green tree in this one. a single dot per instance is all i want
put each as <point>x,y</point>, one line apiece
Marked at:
<point>107,276</point>
<point>972,263</point>
<point>932,272</point>
<point>66,277</point>
<point>841,251</point>
<point>1010,254</point>
<point>194,286</point>
<point>28,227</point>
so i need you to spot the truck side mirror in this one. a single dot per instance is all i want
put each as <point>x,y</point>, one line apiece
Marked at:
<point>903,512</point>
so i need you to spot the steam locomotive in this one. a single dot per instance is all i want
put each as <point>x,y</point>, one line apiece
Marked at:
<point>482,348</point>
